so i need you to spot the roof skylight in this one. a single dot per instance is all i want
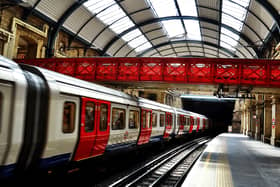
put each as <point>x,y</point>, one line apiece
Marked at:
<point>187,8</point>
<point>174,28</point>
<point>233,15</point>
<point>111,14</point>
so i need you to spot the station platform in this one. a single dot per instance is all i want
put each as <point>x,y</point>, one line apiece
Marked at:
<point>236,160</point>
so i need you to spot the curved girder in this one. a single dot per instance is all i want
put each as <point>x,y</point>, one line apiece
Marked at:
<point>155,20</point>
<point>115,53</point>
<point>250,28</point>
<point>53,34</point>
<point>180,47</point>
<point>201,52</point>
<point>105,28</point>
<point>183,22</point>
<point>186,41</point>
<point>271,10</point>
<point>84,24</point>
<point>202,42</point>
<point>190,41</point>
<point>193,46</point>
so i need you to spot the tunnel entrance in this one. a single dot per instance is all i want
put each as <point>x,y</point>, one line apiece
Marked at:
<point>220,111</point>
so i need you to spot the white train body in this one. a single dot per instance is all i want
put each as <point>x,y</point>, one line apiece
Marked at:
<point>47,119</point>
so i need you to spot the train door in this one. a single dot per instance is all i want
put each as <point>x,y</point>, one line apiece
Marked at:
<point>5,112</point>
<point>198,124</point>
<point>181,123</point>
<point>187,124</point>
<point>94,129</point>
<point>204,124</point>
<point>191,124</point>
<point>168,125</point>
<point>146,126</point>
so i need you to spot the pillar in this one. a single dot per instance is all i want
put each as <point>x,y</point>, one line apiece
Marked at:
<point>267,119</point>
<point>243,121</point>
<point>259,116</point>
<point>248,118</point>
<point>275,129</point>
<point>253,119</point>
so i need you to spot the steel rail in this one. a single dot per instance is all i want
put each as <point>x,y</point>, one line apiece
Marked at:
<point>159,160</point>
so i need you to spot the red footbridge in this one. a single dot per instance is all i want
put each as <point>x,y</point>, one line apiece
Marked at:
<point>263,72</point>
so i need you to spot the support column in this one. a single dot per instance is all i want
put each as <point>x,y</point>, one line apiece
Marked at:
<point>243,121</point>
<point>275,130</point>
<point>259,117</point>
<point>253,119</point>
<point>248,118</point>
<point>267,120</point>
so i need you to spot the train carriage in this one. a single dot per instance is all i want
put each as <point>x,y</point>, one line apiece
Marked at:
<point>48,119</point>
<point>161,125</point>
<point>12,114</point>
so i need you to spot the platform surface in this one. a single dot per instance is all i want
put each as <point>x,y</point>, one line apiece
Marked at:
<point>236,160</point>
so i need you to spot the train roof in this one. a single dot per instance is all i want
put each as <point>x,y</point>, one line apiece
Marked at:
<point>7,63</point>
<point>180,110</point>
<point>154,105</point>
<point>70,84</point>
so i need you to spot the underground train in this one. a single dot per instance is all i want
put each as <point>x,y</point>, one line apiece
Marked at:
<point>48,119</point>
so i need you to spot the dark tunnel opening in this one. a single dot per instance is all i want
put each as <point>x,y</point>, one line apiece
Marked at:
<point>219,111</point>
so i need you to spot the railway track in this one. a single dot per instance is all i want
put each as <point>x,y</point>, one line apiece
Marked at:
<point>168,169</point>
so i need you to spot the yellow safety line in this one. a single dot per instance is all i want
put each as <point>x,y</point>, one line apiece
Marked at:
<point>223,172</point>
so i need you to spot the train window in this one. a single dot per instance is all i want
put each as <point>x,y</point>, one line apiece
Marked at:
<point>169,121</point>
<point>89,116</point>
<point>179,120</point>
<point>69,110</point>
<point>146,119</point>
<point>161,120</point>
<point>183,120</point>
<point>103,117</point>
<point>118,118</point>
<point>154,120</point>
<point>133,119</point>
<point>187,121</point>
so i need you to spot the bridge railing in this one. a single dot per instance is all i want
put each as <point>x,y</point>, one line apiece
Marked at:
<point>176,70</point>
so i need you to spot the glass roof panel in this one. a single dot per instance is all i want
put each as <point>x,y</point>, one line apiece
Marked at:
<point>164,8</point>
<point>143,47</point>
<point>122,25</point>
<point>173,27</point>
<point>137,41</point>
<point>187,8</point>
<point>233,14</point>
<point>234,23</point>
<point>193,29</point>
<point>228,40</point>
<point>98,5</point>
<point>111,14</point>
<point>227,46</point>
<point>131,35</point>
<point>229,33</point>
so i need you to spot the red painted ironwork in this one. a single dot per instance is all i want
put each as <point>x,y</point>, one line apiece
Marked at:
<point>265,73</point>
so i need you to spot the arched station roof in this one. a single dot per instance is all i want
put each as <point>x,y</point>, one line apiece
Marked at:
<point>164,28</point>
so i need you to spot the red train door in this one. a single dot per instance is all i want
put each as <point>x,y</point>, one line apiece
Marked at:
<point>94,128</point>
<point>181,123</point>
<point>168,125</point>
<point>198,123</point>
<point>204,124</point>
<point>191,124</point>
<point>146,126</point>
